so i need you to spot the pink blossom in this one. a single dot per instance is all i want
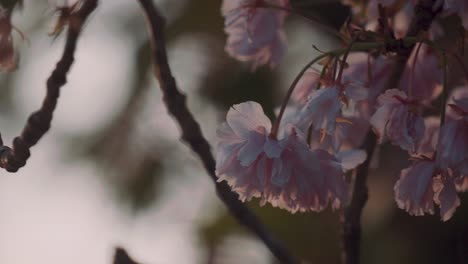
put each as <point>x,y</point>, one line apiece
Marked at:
<point>414,190</point>
<point>315,178</point>
<point>447,198</point>
<point>395,120</point>
<point>321,110</point>
<point>452,151</point>
<point>284,172</point>
<point>461,183</point>
<point>240,143</point>
<point>347,135</point>
<point>301,186</point>
<point>426,180</point>
<point>423,184</point>
<point>373,74</point>
<point>424,82</point>
<point>428,143</point>
<point>306,85</point>
<point>255,33</point>
<point>8,58</point>
<point>350,159</point>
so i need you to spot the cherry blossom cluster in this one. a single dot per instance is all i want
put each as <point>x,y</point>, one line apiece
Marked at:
<point>299,162</point>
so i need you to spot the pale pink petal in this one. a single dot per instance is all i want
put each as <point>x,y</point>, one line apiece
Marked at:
<point>395,120</point>
<point>414,191</point>
<point>371,73</point>
<point>379,121</point>
<point>447,199</point>
<point>277,49</point>
<point>424,82</point>
<point>431,135</point>
<point>227,147</point>
<point>305,86</point>
<point>301,185</point>
<point>250,150</point>
<point>405,129</point>
<point>452,151</point>
<point>273,148</point>
<point>346,136</point>
<point>452,148</point>
<point>255,34</point>
<point>239,151</point>
<point>321,110</point>
<point>350,159</point>
<point>357,92</point>
<point>243,180</point>
<point>280,173</point>
<point>459,97</point>
<point>336,187</point>
<point>246,117</point>
<point>461,183</point>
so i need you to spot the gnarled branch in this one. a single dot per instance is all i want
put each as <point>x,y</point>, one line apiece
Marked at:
<point>12,159</point>
<point>175,102</point>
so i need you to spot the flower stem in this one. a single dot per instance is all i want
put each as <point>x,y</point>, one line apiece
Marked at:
<point>274,130</point>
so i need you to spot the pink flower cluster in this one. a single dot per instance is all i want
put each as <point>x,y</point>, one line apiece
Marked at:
<point>299,163</point>
<point>255,33</point>
<point>284,172</point>
<point>441,167</point>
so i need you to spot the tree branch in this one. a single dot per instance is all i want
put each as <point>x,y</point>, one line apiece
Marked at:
<point>192,135</point>
<point>121,257</point>
<point>12,159</point>
<point>422,20</point>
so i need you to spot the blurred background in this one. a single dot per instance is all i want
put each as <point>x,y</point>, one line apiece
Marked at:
<point>112,171</point>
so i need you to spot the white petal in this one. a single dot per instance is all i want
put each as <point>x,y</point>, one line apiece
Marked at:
<point>246,117</point>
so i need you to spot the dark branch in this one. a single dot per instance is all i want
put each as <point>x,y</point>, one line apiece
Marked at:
<point>121,257</point>
<point>422,20</point>
<point>12,159</point>
<point>192,135</point>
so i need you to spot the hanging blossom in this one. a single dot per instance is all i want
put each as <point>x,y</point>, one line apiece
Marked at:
<point>323,108</point>
<point>328,111</point>
<point>8,58</point>
<point>423,79</point>
<point>397,120</point>
<point>453,146</point>
<point>373,74</point>
<point>255,32</point>
<point>284,172</point>
<point>366,13</point>
<point>425,182</point>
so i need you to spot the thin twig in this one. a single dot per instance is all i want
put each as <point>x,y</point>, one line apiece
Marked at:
<point>12,159</point>
<point>175,102</point>
<point>423,17</point>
